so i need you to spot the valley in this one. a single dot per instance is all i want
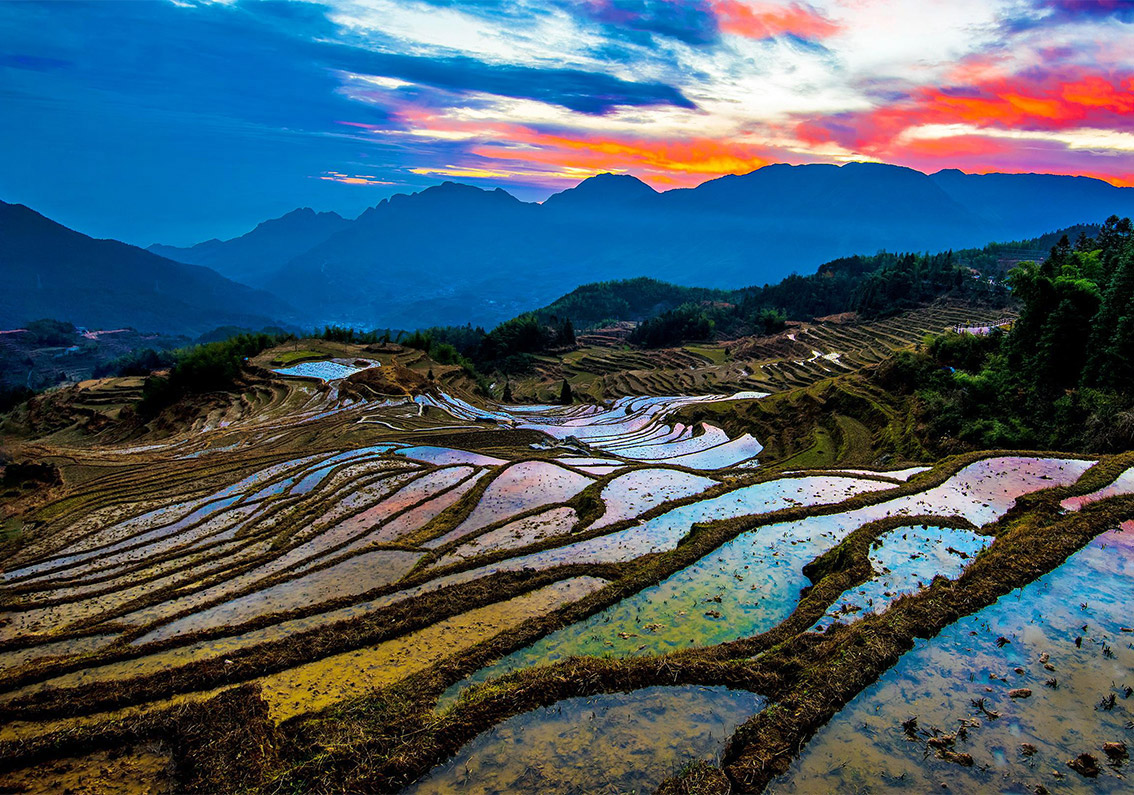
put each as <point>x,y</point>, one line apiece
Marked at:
<point>530,397</point>
<point>354,567</point>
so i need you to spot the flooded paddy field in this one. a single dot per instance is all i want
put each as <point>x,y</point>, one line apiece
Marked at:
<point>611,743</point>
<point>1021,689</point>
<point>480,597</point>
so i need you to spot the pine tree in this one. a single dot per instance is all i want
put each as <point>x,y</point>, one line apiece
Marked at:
<point>566,397</point>
<point>507,396</point>
<point>1105,363</point>
<point>567,332</point>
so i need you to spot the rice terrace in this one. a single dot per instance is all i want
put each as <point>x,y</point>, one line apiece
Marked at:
<point>682,397</point>
<point>347,576</point>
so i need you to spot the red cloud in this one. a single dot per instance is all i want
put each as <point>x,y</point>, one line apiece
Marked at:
<point>662,161</point>
<point>534,155</point>
<point>763,20</point>
<point>1018,102</point>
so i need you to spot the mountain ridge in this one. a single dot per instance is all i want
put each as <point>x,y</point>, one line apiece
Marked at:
<point>455,251</point>
<point>260,251</point>
<point>53,271</point>
<point>483,255</point>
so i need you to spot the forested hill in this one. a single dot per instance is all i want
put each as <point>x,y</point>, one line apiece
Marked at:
<point>872,285</point>
<point>668,315</point>
<point>1061,378</point>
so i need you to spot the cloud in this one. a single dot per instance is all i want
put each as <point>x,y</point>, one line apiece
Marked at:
<point>1047,100</point>
<point>701,22</point>
<point>291,102</point>
<point>764,20</point>
<point>585,92</point>
<point>1050,12</point>
<point>353,179</point>
<point>689,22</point>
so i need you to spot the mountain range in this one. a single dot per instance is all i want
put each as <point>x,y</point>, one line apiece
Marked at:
<point>455,254</point>
<point>254,257</point>
<point>48,270</point>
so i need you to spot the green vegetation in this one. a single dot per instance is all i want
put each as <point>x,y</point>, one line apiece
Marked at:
<point>1061,378</point>
<point>350,335</point>
<point>877,286</point>
<point>213,367</point>
<point>300,355</point>
<point>52,332</point>
<point>508,348</point>
<point>140,362</point>
<point>601,303</point>
<point>909,281</point>
<point>686,322</point>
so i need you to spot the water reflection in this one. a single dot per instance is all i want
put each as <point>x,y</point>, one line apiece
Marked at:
<point>614,743</point>
<point>1068,638</point>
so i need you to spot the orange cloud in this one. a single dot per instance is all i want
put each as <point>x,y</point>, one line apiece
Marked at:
<point>1013,102</point>
<point>684,162</point>
<point>763,20</point>
<point>663,161</point>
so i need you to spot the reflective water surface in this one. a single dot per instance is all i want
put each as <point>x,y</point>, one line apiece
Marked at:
<point>614,743</point>
<point>1068,638</point>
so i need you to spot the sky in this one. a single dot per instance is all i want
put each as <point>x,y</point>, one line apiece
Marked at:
<point>175,121</point>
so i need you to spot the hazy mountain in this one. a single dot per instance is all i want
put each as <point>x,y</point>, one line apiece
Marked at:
<point>454,253</point>
<point>879,196</point>
<point>1040,202</point>
<point>601,192</point>
<point>252,256</point>
<point>52,271</point>
<point>451,252</point>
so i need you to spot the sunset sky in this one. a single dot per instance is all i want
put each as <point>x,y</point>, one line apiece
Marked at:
<point>175,121</point>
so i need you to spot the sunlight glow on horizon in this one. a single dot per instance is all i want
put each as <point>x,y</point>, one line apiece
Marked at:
<point>290,103</point>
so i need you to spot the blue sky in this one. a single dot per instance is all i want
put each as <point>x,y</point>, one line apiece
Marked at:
<point>158,121</point>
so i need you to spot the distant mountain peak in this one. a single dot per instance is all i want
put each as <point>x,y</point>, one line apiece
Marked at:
<point>300,215</point>
<point>460,189</point>
<point>108,284</point>
<point>601,190</point>
<point>263,249</point>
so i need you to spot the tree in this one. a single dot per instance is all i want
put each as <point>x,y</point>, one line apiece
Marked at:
<point>566,332</point>
<point>771,320</point>
<point>565,395</point>
<point>51,332</point>
<point>507,396</point>
<point>1106,364</point>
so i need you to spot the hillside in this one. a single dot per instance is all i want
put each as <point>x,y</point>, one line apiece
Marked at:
<point>52,271</point>
<point>330,565</point>
<point>649,313</point>
<point>251,257</point>
<point>455,251</point>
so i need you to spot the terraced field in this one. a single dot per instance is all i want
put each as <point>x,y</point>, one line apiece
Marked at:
<point>605,367</point>
<point>322,585</point>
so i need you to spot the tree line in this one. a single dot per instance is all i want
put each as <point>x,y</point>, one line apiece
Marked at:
<point>1062,377</point>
